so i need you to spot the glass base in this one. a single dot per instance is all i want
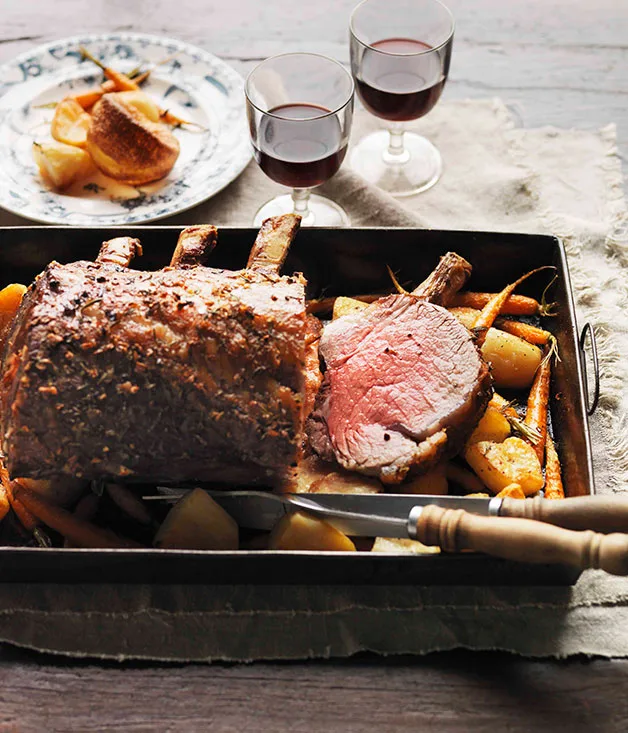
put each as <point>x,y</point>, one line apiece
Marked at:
<point>416,170</point>
<point>322,211</point>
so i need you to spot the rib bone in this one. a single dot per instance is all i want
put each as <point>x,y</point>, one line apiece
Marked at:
<point>194,246</point>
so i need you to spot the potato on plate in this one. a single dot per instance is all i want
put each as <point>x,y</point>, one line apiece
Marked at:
<point>70,123</point>
<point>61,165</point>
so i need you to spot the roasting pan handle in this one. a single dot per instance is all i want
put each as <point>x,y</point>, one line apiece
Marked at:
<point>588,330</point>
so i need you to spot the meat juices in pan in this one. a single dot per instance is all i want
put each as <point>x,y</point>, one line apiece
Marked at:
<point>405,383</point>
<point>186,373</point>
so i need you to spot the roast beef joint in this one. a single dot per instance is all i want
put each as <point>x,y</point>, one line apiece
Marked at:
<point>404,384</point>
<point>188,373</point>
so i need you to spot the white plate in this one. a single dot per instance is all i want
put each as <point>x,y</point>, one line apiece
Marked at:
<point>194,84</point>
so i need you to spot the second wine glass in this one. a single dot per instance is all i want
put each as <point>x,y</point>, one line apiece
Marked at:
<point>400,54</point>
<point>300,107</point>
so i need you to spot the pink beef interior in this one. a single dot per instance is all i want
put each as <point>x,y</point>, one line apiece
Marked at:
<point>399,372</point>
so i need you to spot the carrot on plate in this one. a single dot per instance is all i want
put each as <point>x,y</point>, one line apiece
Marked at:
<point>88,99</point>
<point>122,82</point>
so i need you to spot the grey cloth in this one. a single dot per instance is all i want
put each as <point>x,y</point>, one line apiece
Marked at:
<point>496,177</point>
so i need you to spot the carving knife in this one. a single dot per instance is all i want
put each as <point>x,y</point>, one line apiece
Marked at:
<point>262,510</point>
<point>437,521</point>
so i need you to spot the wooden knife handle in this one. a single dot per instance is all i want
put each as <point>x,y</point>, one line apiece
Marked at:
<point>523,540</point>
<point>599,513</point>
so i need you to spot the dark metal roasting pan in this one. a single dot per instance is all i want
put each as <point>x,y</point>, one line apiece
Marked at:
<point>335,261</point>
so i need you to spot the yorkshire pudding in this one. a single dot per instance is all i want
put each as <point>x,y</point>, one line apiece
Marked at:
<point>126,145</point>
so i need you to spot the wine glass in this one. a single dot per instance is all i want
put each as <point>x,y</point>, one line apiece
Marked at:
<point>300,107</point>
<point>400,54</point>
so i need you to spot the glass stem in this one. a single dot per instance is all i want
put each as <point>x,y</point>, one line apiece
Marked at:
<point>396,153</point>
<point>300,199</point>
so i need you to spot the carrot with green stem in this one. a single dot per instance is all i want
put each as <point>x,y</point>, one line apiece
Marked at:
<point>89,99</point>
<point>553,479</point>
<point>139,76</point>
<point>167,116</point>
<point>515,305</point>
<point>526,331</point>
<point>538,401</point>
<point>492,309</point>
<point>532,334</point>
<point>122,82</point>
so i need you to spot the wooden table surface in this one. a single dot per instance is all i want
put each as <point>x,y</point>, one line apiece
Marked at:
<point>559,62</point>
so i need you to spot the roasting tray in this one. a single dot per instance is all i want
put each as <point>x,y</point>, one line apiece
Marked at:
<point>335,261</point>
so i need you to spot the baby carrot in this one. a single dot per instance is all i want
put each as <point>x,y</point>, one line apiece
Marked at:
<point>538,400</point>
<point>514,305</point>
<point>5,485</point>
<point>28,520</point>
<point>126,500</point>
<point>553,480</point>
<point>529,333</point>
<point>4,503</point>
<point>80,532</point>
<point>121,81</point>
<point>494,306</point>
<point>88,99</point>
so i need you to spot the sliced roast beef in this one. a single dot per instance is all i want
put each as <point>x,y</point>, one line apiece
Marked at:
<point>186,373</point>
<point>404,383</point>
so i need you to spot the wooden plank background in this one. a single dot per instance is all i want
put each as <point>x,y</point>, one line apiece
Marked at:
<point>557,62</point>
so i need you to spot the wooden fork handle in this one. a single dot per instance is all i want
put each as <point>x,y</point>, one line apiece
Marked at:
<point>524,540</point>
<point>599,513</point>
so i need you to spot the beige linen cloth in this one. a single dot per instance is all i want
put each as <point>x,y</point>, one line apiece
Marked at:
<point>496,177</point>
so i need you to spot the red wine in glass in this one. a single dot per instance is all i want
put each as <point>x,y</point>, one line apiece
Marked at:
<point>300,145</point>
<point>400,87</point>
